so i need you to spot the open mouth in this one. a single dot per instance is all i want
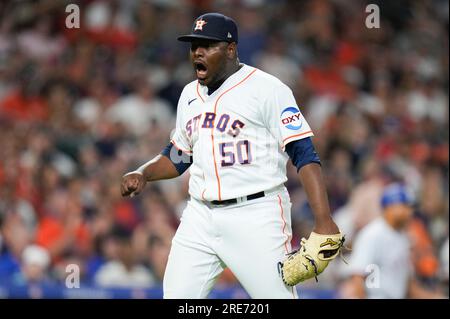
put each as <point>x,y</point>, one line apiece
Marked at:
<point>200,69</point>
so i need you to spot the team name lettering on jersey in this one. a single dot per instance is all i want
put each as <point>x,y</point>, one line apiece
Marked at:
<point>212,120</point>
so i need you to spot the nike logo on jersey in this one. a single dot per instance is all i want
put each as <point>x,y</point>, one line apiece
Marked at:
<point>189,102</point>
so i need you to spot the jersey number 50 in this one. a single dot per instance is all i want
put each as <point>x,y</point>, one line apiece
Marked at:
<point>229,150</point>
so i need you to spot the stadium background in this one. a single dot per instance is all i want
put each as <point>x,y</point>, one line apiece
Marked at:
<point>79,107</point>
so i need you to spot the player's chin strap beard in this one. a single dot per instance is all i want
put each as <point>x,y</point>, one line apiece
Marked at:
<point>214,86</point>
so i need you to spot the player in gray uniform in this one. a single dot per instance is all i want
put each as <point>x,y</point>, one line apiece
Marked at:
<point>380,265</point>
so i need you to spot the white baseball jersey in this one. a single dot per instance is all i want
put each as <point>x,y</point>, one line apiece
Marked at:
<point>237,135</point>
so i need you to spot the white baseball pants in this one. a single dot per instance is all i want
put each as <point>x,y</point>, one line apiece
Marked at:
<point>250,238</point>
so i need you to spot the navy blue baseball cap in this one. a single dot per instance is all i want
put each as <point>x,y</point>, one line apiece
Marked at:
<point>212,26</point>
<point>396,194</point>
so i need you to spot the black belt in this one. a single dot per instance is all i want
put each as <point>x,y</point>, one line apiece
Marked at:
<point>235,200</point>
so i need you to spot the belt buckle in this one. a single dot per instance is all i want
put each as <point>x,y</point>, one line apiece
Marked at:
<point>215,204</point>
<point>224,203</point>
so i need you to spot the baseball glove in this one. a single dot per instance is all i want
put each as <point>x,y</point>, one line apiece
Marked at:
<point>311,259</point>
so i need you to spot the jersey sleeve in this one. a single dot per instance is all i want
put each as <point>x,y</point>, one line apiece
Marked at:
<point>179,138</point>
<point>283,117</point>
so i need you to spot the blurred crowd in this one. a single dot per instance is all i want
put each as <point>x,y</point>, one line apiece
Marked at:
<point>80,107</point>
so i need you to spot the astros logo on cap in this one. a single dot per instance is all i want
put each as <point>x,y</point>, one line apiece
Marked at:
<point>199,24</point>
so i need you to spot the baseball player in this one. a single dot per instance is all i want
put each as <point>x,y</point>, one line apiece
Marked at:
<point>236,128</point>
<point>380,266</point>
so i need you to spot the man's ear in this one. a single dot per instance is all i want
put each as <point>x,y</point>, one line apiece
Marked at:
<point>232,50</point>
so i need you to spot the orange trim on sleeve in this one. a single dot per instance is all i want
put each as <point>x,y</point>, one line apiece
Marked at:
<point>179,148</point>
<point>198,93</point>
<point>212,131</point>
<point>296,135</point>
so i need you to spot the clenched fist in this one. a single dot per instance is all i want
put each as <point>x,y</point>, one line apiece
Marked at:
<point>132,184</point>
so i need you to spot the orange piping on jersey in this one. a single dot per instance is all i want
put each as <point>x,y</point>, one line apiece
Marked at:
<point>179,148</point>
<point>296,135</point>
<point>198,93</point>
<point>212,131</point>
<point>203,193</point>
<point>287,236</point>
<point>284,224</point>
